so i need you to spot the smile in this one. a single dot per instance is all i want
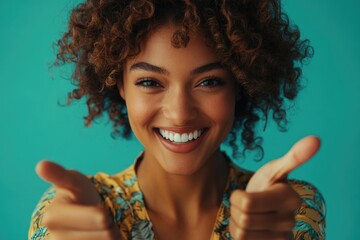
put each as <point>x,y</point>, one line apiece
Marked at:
<point>181,137</point>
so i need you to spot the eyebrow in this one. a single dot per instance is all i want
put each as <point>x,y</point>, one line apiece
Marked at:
<point>148,67</point>
<point>207,68</point>
<point>152,68</point>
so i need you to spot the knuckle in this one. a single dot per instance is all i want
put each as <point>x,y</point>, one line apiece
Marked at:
<point>241,200</point>
<point>236,232</point>
<point>240,234</point>
<point>49,218</point>
<point>234,197</point>
<point>246,204</point>
<point>232,228</point>
<point>235,212</point>
<point>47,221</point>
<point>287,224</point>
<point>101,218</point>
<point>244,221</point>
<point>291,223</point>
<point>294,200</point>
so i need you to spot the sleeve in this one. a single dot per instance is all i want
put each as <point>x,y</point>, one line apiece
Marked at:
<point>37,230</point>
<point>310,216</point>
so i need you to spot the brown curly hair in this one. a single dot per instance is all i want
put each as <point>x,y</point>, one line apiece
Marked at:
<point>254,39</point>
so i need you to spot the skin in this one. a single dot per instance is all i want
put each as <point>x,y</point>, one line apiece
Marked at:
<point>181,98</point>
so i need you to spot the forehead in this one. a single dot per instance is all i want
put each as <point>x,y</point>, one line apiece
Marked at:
<point>158,49</point>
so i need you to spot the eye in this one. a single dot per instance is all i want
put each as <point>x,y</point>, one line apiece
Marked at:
<point>147,83</point>
<point>212,82</point>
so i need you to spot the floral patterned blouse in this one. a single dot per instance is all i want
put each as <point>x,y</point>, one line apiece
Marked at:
<point>123,197</point>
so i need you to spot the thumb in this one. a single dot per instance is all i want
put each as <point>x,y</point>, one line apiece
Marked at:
<point>278,170</point>
<point>80,187</point>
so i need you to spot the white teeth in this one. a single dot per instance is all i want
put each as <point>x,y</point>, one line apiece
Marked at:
<point>171,136</point>
<point>180,137</point>
<point>196,134</point>
<point>177,137</point>
<point>191,136</point>
<point>184,137</point>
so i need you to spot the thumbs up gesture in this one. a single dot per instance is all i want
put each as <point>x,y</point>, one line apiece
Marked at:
<point>266,209</point>
<point>76,211</point>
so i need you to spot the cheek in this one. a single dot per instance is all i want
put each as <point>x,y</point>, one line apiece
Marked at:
<point>140,112</point>
<point>223,109</point>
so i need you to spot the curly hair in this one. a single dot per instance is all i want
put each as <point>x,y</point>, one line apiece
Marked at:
<point>254,39</point>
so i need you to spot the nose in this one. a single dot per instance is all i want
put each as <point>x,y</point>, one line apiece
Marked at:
<point>179,107</point>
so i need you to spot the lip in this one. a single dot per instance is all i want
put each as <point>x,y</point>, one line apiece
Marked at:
<point>181,147</point>
<point>180,130</point>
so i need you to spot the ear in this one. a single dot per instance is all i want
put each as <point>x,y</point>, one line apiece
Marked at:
<point>120,86</point>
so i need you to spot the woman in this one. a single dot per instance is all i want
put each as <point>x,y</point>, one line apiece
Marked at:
<point>186,76</point>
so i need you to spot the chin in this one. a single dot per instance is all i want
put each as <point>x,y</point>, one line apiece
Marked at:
<point>184,167</point>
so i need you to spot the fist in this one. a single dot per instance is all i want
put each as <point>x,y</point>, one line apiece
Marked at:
<point>266,209</point>
<point>76,211</point>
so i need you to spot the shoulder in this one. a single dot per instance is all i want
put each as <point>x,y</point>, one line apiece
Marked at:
<point>123,184</point>
<point>310,216</point>
<point>37,230</point>
<point>122,196</point>
<point>309,193</point>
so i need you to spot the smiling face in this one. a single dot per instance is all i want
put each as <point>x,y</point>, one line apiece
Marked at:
<point>180,102</point>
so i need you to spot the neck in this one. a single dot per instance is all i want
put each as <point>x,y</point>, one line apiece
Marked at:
<point>199,191</point>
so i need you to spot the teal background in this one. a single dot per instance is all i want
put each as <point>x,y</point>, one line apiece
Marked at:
<point>33,126</point>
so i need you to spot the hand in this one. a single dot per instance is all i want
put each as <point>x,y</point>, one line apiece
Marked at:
<point>266,209</point>
<point>76,211</point>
